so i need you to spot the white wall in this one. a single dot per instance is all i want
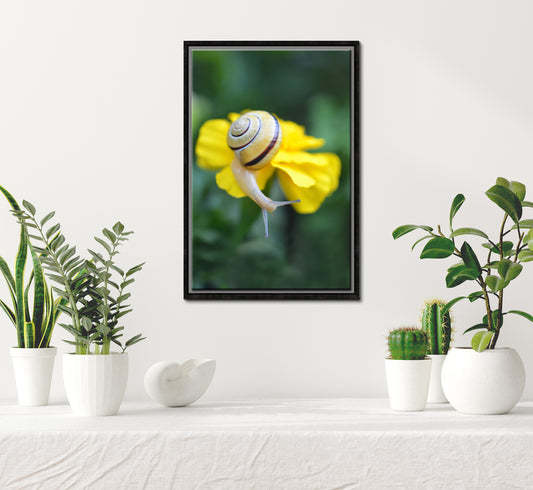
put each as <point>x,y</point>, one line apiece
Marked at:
<point>91,126</point>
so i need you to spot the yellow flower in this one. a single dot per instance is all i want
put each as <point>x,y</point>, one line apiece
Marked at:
<point>309,177</point>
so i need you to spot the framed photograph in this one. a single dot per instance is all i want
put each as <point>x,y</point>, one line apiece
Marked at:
<point>271,169</point>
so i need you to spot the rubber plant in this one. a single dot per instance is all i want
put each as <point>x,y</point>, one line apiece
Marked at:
<point>504,257</point>
<point>34,325</point>
<point>94,290</point>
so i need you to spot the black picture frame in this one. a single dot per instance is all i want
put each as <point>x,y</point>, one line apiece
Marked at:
<point>352,291</point>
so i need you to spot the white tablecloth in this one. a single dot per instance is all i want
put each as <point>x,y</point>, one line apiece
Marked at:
<point>265,444</point>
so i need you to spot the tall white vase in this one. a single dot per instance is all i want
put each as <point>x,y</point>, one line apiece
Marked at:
<point>488,383</point>
<point>95,384</point>
<point>436,393</point>
<point>408,383</point>
<point>33,370</point>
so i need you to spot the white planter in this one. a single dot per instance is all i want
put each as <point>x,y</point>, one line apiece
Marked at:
<point>33,374</point>
<point>408,383</point>
<point>95,384</point>
<point>488,382</point>
<point>436,393</point>
<point>175,385</point>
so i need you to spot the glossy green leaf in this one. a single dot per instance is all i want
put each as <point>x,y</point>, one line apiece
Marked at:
<point>476,327</point>
<point>523,314</point>
<point>527,204</point>
<point>457,202</point>
<point>438,248</point>
<point>518,189</point>
<point>470,259</point>
<point>508,269</point>
<point>524,224</point>
<point>481,340</point>
<point>505,199</point>
<point>506,246</point>
<point>525,255</point>
<point>448,306</point>
<point>421,240</point>
<point>469,231</point>
<point>503,182</point>
<point>458,274</point>
<point>404,229</point>
<point>495,283</point>
<point>475,296</point>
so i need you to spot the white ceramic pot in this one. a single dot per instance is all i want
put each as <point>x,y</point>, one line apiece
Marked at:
<point>408,383</point>
<point>488,382</point>
<point>33,374</point>
<point>436,393</point>
<point>175,385</point>
<point>95,384</point>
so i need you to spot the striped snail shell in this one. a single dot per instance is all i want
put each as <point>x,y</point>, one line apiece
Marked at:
<point>255,138</point>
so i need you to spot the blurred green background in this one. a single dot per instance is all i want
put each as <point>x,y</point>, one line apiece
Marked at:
<point>303,251</point>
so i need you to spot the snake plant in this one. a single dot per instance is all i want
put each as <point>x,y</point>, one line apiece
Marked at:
<point>85,286</point>
<point>35,327</point>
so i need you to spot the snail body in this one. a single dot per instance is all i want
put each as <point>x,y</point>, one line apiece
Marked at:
<point>255,138</point>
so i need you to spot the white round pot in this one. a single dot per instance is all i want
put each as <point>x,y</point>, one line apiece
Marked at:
<point>436,393</point>
<point>33,369</point>
<point>408,383</point>
<point>487,383</point>
<point>95,384</point>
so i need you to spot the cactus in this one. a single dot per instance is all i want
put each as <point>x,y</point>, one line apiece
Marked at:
<point>408,343</point>
<point>438,327</point>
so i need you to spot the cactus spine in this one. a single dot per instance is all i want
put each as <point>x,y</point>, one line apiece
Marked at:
<point>438,327</point>
<point>408,343</point>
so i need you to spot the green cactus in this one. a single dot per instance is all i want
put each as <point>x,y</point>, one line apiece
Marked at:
<point>408,343</point>
<point>438,327</point>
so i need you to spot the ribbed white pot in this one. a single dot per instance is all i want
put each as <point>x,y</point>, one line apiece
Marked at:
<point>33,370</point>
<point>483,383</point>
<point>95,384</point>
<point>408,383</point>
<point>436,393</point>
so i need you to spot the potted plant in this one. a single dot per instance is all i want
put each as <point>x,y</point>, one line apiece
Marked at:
<point>96,301</point>
<point>34,316</point>
<point>483,379</point>
<point>408,369</point>
<point>438,327</point>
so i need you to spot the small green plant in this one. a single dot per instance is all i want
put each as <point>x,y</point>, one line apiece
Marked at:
<point>437,324</point>
<point>504,257</point>
<point>94,291</point>
<point>407,343</point>
<point>34,323</point>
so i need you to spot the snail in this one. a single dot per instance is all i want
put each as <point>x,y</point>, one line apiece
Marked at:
<point>255,138</point>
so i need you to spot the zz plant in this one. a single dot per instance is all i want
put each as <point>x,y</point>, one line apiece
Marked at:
<point>93,291</point>
<point>504,257</point>
<point>34,323</point>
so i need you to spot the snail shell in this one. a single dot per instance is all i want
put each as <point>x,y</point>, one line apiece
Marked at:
<point>255,138</point>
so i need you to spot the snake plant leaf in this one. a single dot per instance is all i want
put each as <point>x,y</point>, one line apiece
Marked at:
<point>20,264</point>
<point>29,335</point>
<point>469,231</point>
<point>438,248</point>
<point>495,283</point>
<point>38,293</point>
<point>476,327</point>
<point>470,259</point>
<point>9,312</point>
<point>509,270</point>
<point>522,313</point>
<point>404,229</point>
<point>518,189</point>
<point>481,340</point>
<point>4,268</point>
<point>449,304</point>
<point>506,200</point>
<point>457,202</point>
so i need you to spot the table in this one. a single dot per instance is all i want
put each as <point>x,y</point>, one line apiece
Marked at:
<point>265,444</point>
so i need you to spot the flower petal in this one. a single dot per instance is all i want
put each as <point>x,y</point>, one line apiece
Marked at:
<point>294,137</point>
<point>226,180</point>
<point>326,181</point>
<point>212,152</point>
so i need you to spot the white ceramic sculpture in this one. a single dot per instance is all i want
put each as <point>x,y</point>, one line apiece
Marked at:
<point>175,385</point>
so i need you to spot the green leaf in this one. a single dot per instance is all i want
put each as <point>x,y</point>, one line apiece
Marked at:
<point>523,314</point>
<point>481,340</point>
<point>495,283</point>
<point>104,244</point>
<point>525,255</point>
<point>469,258</point>
<point>134,269</point>
<point>110,235</point>
<point>118,227</point>
<point>475,296</point>
<point>47,218</point>
<point>52,231</point>
<point>469,231</point>
<point>509,270</point>
<point>458,201</point>
<point>518,189</point>
<point>30,207</point>
<point>438,248</point>
<point>506,246</point>
<point>503,182</point>
<point>421,240</point>
<point>459,273</point>
<point>29,335</point>
<point>404,229</point>
<point>506,200</point>
<point>476,327</point>
<point>527,204</point>
<point>449,304</point>
<point>524,224</point>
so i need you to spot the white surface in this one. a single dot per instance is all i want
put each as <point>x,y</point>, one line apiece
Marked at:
<point>436,393</point>
<point>266,444</point>
<point>177,385</point>
<point>408,383</point>
<point>91,109</point>
<point>487,382</point>
<point>33,368</point>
